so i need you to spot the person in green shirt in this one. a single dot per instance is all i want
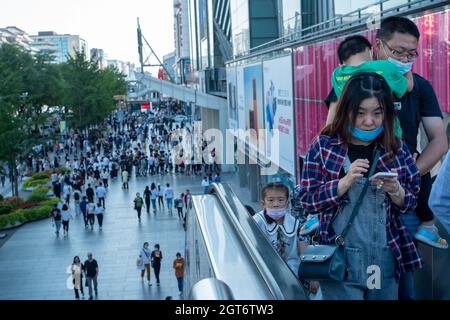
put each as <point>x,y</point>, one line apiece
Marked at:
<point>355,55</point>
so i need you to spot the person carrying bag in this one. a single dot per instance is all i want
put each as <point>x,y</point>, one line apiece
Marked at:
<point>327,262</point>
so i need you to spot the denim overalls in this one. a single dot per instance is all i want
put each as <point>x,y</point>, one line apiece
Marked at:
<point>365,245</point>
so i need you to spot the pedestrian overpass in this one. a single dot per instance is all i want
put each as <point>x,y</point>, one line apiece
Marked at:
<point>146,84</point>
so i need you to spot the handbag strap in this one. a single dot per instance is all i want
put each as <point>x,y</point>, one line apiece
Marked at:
<point>340,238</point>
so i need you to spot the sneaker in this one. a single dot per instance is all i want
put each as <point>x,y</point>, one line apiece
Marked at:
<point>430,236</point>
<point>157,284</point>
<point>96,292</point>
<point>91,298</point>
<point>311,224</point>
<point>149,284</point>
<point>180,293</point>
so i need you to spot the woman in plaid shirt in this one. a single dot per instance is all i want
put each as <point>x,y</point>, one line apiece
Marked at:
<point>334,173</point>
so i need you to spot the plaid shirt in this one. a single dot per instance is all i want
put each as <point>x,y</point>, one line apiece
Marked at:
<point>318,194</point>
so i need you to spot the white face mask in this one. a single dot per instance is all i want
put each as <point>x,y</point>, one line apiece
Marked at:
<point>276,214</point>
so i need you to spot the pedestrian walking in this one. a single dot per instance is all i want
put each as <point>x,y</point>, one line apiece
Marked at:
<point>153,196</point>
<point>90,208</point>
<point>77,276</point>
<point>101,194</point>
<point>77,201</point>
<point>179,202</point>
<point>160,198</point>
<point>156,258</point>
<point>138,203</point>
<point>56,217</point>
<point>67,190</point>
<point>90,193</point>
<point>178,265</point>
<point>91,271</point>
<point>147,198</point>
<point>83,208</point>
<point>205,185</point>
<point>125,179</point>
<point>144,262</point>
<point>99,212</point>
<point>168,193</point>
<point>65,216</point>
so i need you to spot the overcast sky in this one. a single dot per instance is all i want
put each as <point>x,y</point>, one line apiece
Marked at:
<point>109,25</point>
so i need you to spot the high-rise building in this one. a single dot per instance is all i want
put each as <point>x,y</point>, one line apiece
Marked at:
<point>169,62</point>
<point>14,35</point>
<point>61,46</point>
<point>182,49</point>
<point>98,57</point>
<point>210,44</point>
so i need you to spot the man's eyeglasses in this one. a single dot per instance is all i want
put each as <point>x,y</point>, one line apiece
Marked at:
<point>410,55</point>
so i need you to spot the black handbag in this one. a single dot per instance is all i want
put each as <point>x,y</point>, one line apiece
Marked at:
<point>327,262</point>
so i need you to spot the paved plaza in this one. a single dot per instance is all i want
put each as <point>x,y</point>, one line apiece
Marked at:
<point>34,262</point>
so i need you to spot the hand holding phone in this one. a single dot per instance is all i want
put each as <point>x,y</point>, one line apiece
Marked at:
<point>381,175</point>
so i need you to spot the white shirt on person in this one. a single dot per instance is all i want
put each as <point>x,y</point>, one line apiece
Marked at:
<point>65,215</point>
<point>99,210</point>
<point>168,193</point>
<point>90,208</point>
<point>101,192</point>
<point>289,232</point>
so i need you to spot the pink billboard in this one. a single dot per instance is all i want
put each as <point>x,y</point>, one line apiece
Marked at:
<point>314,64</point>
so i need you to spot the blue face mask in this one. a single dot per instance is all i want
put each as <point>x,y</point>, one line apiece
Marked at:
<point>364,135</point>
<point>403,67</point>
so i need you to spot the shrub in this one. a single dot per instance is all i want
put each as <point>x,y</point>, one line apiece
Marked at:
<point>40,176</point>
<point>50,202</point>
<point>34,183</point>
<point>37,197</point>
<point>42,190</point>
<point>5,208</point>
<point>37,213</point>
<point>4,220</point>
<point>15,202</point>
<point>1,197</point>
<point>28,204</point>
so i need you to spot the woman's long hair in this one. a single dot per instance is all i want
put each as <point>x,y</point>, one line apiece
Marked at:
<point>361,86</point>
<point>75,259</point>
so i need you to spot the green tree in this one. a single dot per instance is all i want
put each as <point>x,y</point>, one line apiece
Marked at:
<point>15,113</point>
<point>89,91</point>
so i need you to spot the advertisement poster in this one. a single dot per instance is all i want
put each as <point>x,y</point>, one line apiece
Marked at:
<point>232,98</point>
<point>279,112</point>
<point>242,117</point>
<point>253,93</point>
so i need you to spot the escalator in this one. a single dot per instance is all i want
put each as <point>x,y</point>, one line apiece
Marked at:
<point>228,257</point>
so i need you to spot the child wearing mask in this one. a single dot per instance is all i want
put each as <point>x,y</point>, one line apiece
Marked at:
<point>280,227</point>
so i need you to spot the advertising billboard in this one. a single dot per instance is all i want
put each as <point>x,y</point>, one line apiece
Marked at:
<point>232,98</point>
<point>279,112</point>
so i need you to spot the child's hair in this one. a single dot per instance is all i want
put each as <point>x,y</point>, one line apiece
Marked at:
<point>351,46</point>
<point>274,186</point>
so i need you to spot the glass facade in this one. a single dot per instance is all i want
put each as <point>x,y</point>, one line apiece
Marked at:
<point>291,13</point>
<point>240,25</point>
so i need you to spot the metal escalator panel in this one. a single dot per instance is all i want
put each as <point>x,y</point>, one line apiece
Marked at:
<point>228,255</point>
<point>280,273</point>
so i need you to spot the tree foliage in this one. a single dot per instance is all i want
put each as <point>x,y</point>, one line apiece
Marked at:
<point>89,91</point>
<point>31,83</point>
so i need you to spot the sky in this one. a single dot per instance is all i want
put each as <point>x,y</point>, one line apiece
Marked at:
<point>108,25</point>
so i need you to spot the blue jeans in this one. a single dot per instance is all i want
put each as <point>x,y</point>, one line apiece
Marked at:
<point>180,284</point>
<point>169,203</point>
